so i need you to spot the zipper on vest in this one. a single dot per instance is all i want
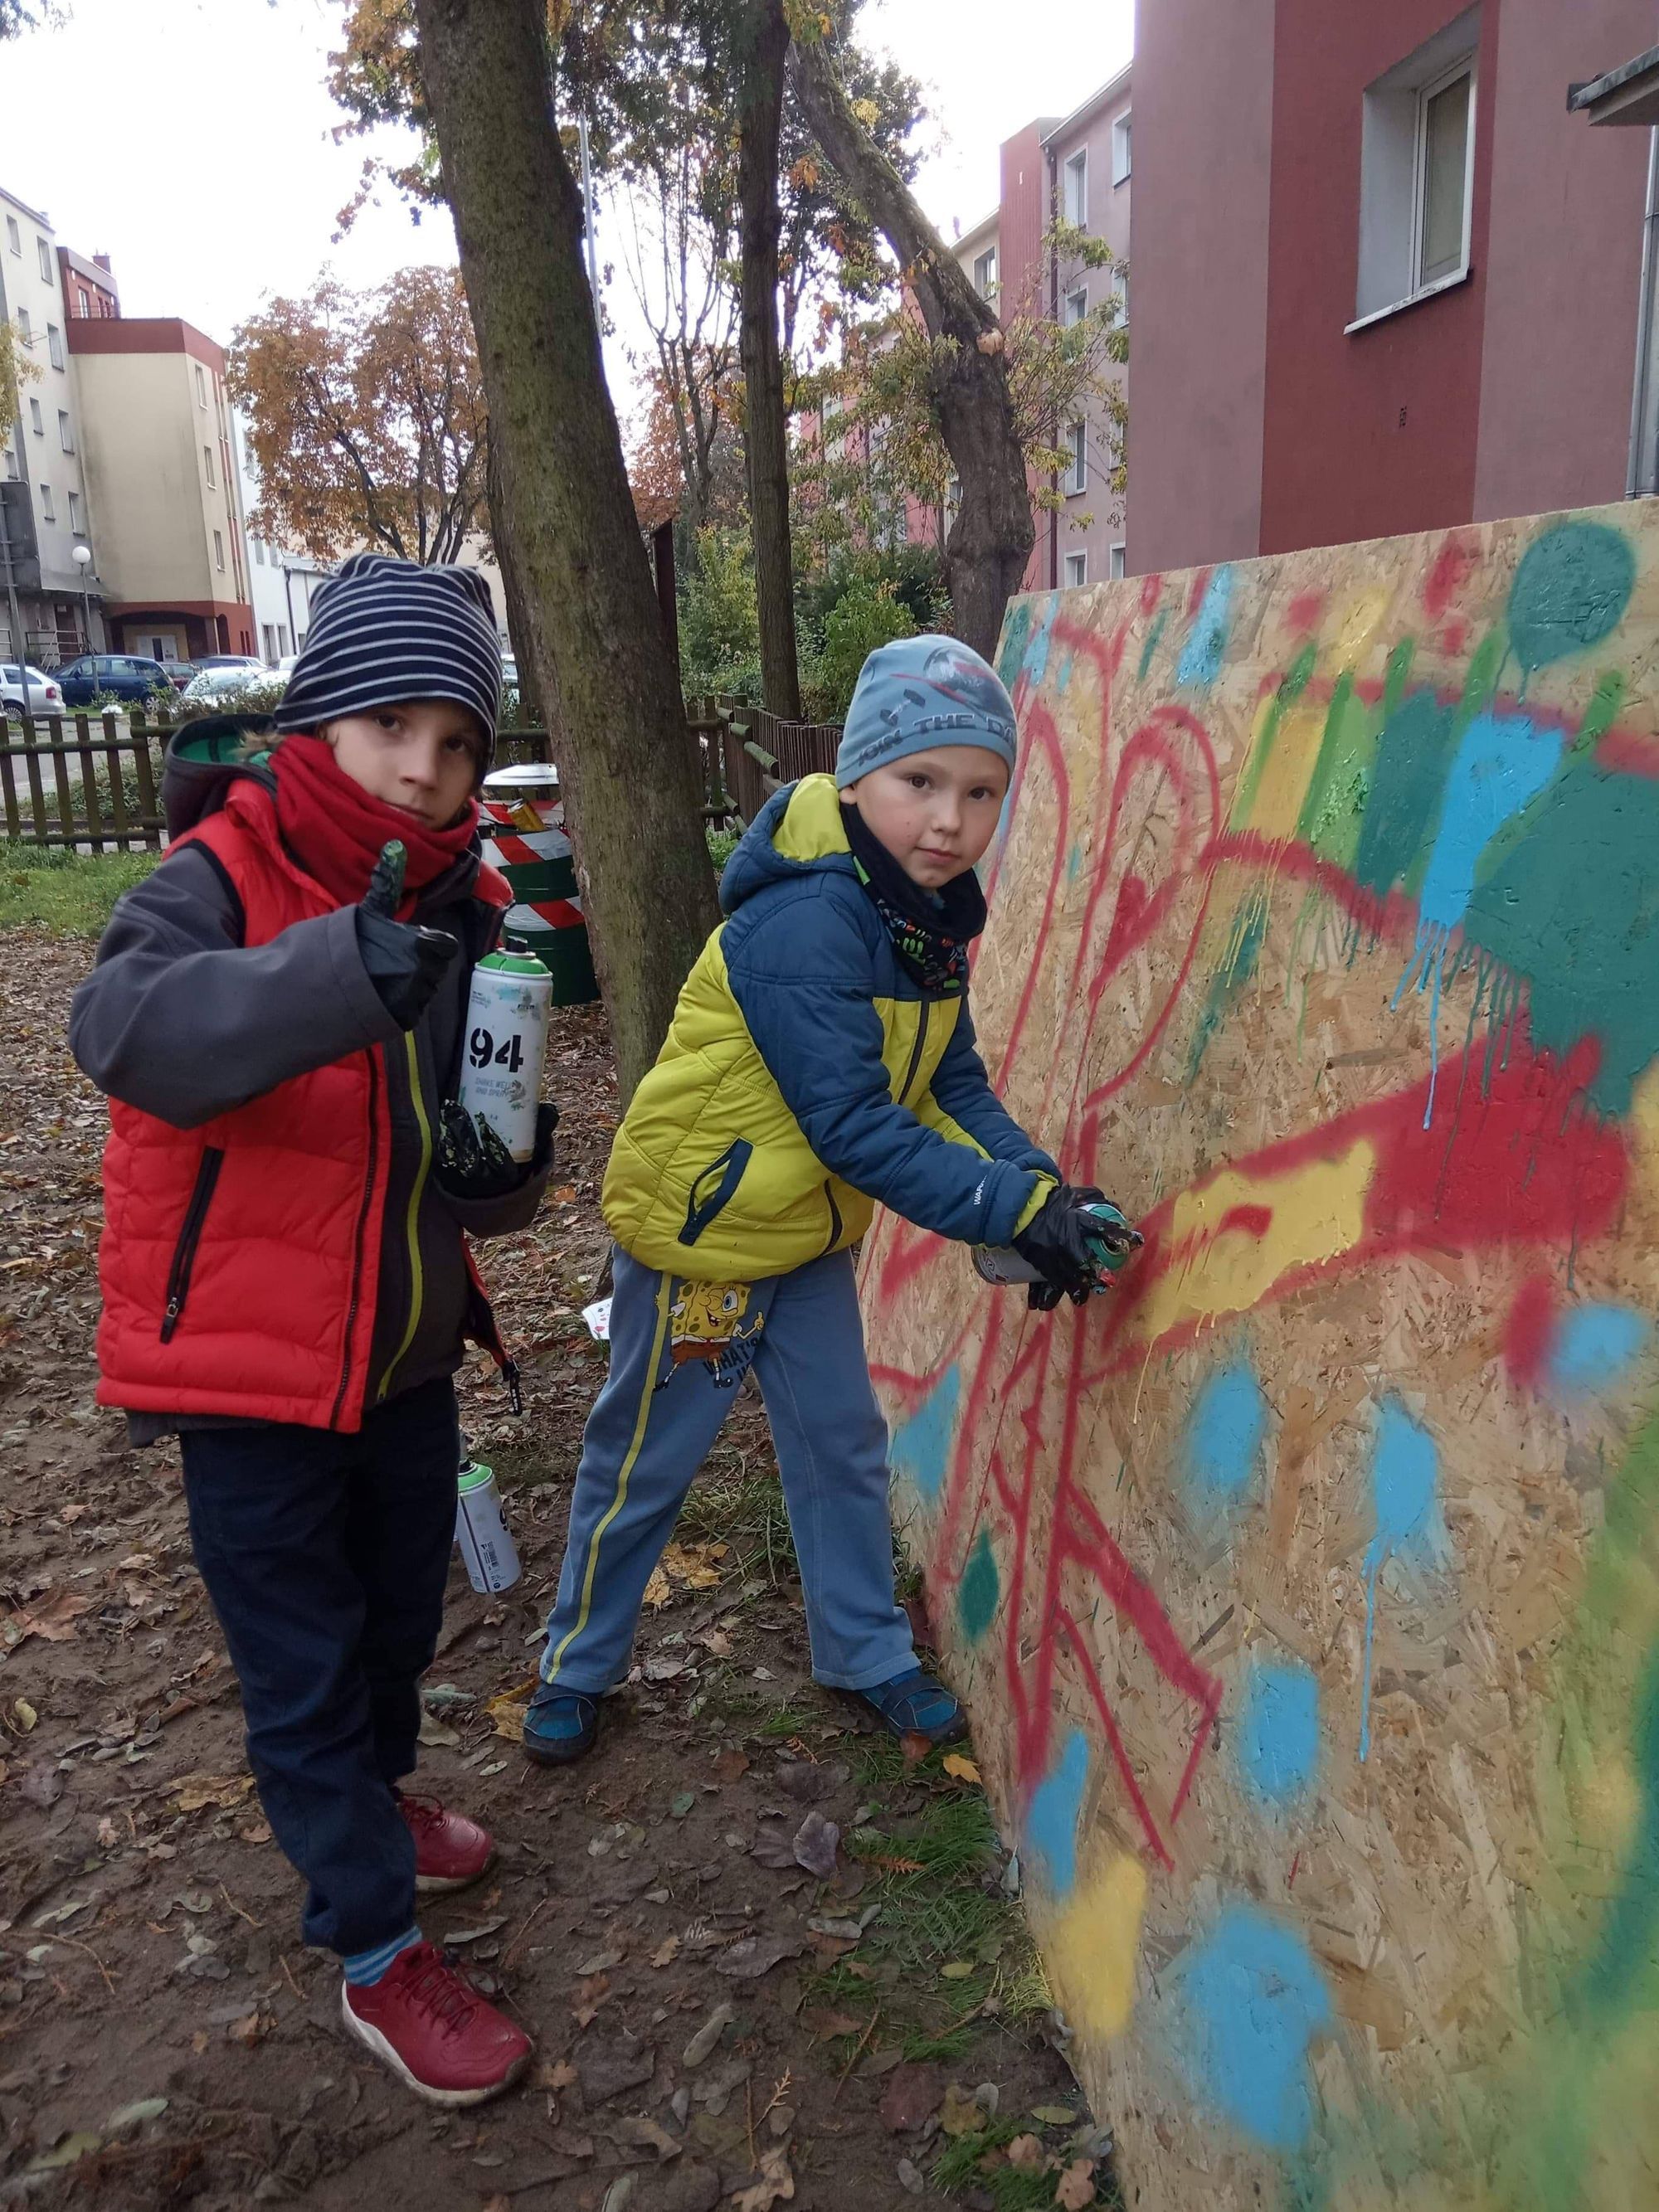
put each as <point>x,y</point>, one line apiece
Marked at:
<point>190,1236</point>
<point>915,1053</point>
<point>417,1280</point>
<point>357,1238</point>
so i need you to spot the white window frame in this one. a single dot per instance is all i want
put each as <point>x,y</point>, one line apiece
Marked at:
<point>48,512</point>
<point>65,430</point>
<point>1076,570</point>
<point>1077,476</point>
<point>219,550</point>
<point>1123,150</point>
<point>25,328</point>
<point>1075,306</point>
<point>207,463</point>
<point>75,514</point>
<point>54,345</point>
<point>1075,198</point>
<point>258,546</point>
<point>44,253</point>
<point>13,236</point>
<point>201,386</point>
<point>1394,172</point>
<point>986,261</point>
<point>85,299</point>
<point>37,420</point>
<point>1117,558</point>
<point>11,467</point>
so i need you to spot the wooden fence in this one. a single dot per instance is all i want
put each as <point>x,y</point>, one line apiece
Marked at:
<point>94,782</point>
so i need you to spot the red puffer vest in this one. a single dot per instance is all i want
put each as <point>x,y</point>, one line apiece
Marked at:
<point>268,1220</point>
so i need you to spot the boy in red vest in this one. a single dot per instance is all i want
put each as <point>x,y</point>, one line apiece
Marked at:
<point>285,1281</point>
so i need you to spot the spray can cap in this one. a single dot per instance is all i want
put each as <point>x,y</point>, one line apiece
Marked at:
<point>512,963</point>
<point>474,1475</point>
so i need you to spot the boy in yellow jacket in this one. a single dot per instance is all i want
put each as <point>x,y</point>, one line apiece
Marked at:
<point>821,1060</point>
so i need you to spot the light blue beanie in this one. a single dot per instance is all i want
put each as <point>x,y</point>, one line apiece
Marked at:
<point>918,693</point>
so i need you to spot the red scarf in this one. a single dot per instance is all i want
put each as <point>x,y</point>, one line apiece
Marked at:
<point>336,829</point>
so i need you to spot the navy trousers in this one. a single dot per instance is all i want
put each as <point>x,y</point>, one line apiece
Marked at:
<point>325,1558</point>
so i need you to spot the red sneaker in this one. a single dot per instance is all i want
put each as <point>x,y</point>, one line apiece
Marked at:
<point>429,2024</point>
<point>450,1851</point>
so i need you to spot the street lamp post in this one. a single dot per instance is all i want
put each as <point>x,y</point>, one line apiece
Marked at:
<point>81,557</point>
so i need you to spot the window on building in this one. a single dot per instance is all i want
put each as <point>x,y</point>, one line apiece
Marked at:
<point>1417,168</point>
<point>1075,307</point>
<point>207,463</point>
<point>37,420</point>
<point>201,386</point>
<point>1077,189</point>
<point>985,272</point>
<point>1120,294</point>
<point>268,632</point>
<point>218,549</point>
<point>1076,570</point>
<point>1120,148</point>
<point>55,344</point>
<point>11,466</point>
<point>282,637</point>
<point>65,435</point>
<point>1077,444</point>
<point>13,236</point>
<point>75,514</point>
<point>25,327</point>
<point>1116,557</point>
<point>45,252</point>
<point>82,303</point>
<point>48,512</point>
<point>257,543</point>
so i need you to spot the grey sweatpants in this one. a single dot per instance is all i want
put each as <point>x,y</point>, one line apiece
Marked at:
<point>650,1430</point>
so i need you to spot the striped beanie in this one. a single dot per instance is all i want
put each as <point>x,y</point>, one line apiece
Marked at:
<point>384,630</point>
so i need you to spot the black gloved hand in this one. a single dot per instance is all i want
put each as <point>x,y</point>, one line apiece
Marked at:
<point>1063,1242</point>
<point>405,964</point>
<point>471,1159</point>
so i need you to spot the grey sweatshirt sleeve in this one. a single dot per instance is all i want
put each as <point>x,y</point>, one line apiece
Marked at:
<point>182,1020</point>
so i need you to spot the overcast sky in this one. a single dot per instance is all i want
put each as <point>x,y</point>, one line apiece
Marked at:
<point>192,140</point>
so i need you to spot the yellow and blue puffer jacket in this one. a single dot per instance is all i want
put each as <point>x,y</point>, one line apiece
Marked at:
<point>806,1077</point>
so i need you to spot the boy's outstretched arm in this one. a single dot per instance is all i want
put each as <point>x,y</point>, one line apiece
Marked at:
<point>961,1090</point>
<point>803,985</point>
<point>182,1020</point>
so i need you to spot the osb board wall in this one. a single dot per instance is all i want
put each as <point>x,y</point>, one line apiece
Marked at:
<point>1304,1590</point>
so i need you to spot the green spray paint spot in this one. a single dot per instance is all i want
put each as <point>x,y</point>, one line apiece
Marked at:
<point>1412,756</point>
<point>1602,712</point>
<point>1292,684</point>
<point>1569,591</point>
<point>1570,899</point>
<point>1335,806</point>
<point>1015,631</point>
<point>1236,966</point>
<point>1151,646</point>
<point>982,1588</point>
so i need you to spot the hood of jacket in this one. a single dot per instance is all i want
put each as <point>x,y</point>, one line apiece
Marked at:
<point>797,833</point>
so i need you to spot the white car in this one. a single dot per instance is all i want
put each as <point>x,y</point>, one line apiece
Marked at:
<point>26,690</point>
<point>227,683</point>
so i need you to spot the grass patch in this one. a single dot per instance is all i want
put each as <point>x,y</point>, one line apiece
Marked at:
<point>1012,2188</point>
<point>70,894</point>
<point>731,1503</point>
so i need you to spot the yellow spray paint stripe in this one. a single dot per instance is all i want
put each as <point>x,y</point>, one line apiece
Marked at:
<point>1093,1948</point>
<point>417,1280</point>
<point>664,1283</point>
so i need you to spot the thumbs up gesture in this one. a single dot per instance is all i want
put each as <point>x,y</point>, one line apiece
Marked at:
<point>404,963</point>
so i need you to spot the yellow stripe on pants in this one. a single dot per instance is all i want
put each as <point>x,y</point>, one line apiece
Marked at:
<point>665,1285</point>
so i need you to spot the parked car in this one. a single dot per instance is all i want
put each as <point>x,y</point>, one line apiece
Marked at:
<point>228,660</point>
<point>126,676</point>
<point>179,672</point>
<point>228,680</point>
<point>24,689</point>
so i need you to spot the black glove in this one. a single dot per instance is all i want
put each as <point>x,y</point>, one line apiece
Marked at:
<point>404,964</point>
<point>1063,1242</point>
<point>472,1161</point>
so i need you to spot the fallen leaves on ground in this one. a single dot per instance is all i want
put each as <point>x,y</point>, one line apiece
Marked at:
<point>1026,2153</point>
<point>54,1619</point>
<point>961,2113</point>
<point>776,2183</point>
<point>960,1769</point>
<point>1076,2186</point>
<point>192,1792</point>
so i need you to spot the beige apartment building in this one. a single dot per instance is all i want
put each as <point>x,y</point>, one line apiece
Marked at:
<point>163,480</point>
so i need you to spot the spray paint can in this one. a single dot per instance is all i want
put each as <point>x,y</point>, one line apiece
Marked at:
<point>487,1547</point>
<point>506,1045</point>
<point>1111,1250</point>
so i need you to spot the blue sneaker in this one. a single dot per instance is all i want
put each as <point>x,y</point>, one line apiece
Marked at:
<point>560,1726</point>
<point>913,1704</point>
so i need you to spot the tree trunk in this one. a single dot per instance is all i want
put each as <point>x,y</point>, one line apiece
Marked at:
<point>615,713</point>
<point>992,537</point>
<point>761,41</point>
<point>532,706</point>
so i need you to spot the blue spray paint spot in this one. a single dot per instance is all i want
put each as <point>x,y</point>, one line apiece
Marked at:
<point>1206,640</point>
<point>1501,765</point>
<point>1051,1820</point>
<point>1278,1731</point>
<point>1593,1347</point>
<point>1037,650</point>
<point>1405,1475</point>
<point>1249,2002</point>
<point>920,1449</point>
<point>1073,862</point>
<point>1228,1422</point>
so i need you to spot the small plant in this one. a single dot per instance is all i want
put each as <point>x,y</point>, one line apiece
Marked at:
<point>722,843</point>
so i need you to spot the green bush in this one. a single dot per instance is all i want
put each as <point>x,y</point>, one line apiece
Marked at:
<point>722,843</point>
<point>870,614</point>
<point>720,627</point>
<point>914,572</point>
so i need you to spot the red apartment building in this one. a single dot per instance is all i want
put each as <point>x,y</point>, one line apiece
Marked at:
<point>1384,280</point>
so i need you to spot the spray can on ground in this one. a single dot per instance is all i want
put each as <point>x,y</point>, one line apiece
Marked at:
<point>506,1045</point>
<point>1111,1250</point>
<point>487,1547</point>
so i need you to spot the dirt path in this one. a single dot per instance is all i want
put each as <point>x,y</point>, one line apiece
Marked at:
<point>717,2021</point>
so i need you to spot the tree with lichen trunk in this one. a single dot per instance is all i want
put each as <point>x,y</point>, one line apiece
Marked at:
<point>991,539</point>
<point>596,638</point>
<point>760,39</point>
